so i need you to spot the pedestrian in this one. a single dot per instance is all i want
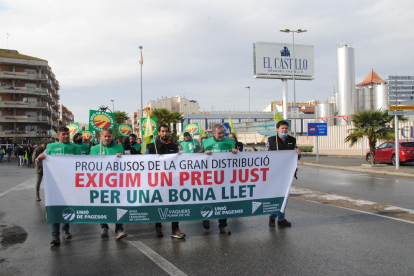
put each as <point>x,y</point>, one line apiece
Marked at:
<point>133,142</point>
<point>9,153</point>
<point>237,144</point>
<point>189,145</point>
<point>39,166</point>
<point>139,141</point>
<point>282,141</point>
<point>128,149</point>
<point>28,154</point>
<point>109,147</point>
<point>63,147</point>
<point>77,139</point>
<point>21,155</point>
<point>2,153</point>
<point>163,145</point>
<point>217,144</point>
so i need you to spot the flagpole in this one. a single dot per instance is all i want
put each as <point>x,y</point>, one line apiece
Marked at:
<point>141,61</point>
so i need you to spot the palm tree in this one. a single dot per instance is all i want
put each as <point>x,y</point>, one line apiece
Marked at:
<point>176,117</point>
<point>374,125</point>
<point>166,117</point>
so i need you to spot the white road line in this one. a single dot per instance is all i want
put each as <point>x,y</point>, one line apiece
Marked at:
<point>364,212</point>
<point>156,258</point>
<point>21,185</point>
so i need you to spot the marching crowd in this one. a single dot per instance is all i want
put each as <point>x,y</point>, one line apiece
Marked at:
<point>161,144</point>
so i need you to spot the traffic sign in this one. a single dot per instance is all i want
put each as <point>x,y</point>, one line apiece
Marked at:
<point>401,87</point>
<point>403,107</point>
<point>400,98</point>
<point>317,129</point>
<point>401,77</point>
<point>401,112</point>
<point>401,102</point>
<point>401,82</point>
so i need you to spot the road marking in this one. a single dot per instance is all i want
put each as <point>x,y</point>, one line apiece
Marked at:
<point>28,184</point>
<point>364,212</point>
<point>156,258</point>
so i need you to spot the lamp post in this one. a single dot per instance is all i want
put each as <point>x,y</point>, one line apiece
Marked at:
<point>141,61</point>
<point>113,105</point>
<point>249,100</point>
<point>294,68</point>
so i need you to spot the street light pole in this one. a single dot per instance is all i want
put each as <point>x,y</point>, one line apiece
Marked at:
<point>249,100</point>
<point>141,61</point>
<point>294,73</point>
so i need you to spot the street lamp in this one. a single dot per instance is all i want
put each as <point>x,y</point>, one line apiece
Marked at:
<point>113,105</point>
<point>249,100</point>
<point>141,61</point>
<point>294,68</point>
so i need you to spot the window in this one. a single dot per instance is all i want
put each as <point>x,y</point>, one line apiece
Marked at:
<point>30,71</point>
<point>30,85</point>
<point>383,146</point>
<point>29,100</point>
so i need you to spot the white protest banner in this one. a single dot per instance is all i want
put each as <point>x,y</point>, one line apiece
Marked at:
<point>161,188</point>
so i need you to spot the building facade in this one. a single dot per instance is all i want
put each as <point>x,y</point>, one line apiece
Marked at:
<point>29,98</point>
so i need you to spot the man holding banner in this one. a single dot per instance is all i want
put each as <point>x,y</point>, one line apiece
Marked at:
<point>133,142</point>
<point>109,147</point>
<point>163,145</point>
<point>282,141</point>
<point>63,147</point>
<point>218,143</point>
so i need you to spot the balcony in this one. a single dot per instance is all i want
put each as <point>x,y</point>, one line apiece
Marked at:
<point>24,119</point>
<point>23,76</point>
<point>24,133</point>
<point>21,104</point>
<point>25,90</point>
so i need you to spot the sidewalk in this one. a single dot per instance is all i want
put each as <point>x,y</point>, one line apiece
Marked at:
<point>356,163</point>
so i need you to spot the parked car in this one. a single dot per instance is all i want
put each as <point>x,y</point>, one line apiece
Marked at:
<point>385,153</point>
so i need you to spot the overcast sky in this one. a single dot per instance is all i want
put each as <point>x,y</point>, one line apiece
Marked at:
<point>202,50</point>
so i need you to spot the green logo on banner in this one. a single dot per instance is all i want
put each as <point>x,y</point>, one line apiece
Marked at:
<point>192,128</point>
<point>153,125</point>
<point>73,129</point>
<point>99,120</point>
<point>124,130</point>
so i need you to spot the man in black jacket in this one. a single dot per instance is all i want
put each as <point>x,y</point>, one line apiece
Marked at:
<point>163,145</point>
<point>39,166</point>
<point>282,141</point>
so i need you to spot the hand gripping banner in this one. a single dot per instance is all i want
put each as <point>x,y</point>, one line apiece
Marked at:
<point>163,188</point>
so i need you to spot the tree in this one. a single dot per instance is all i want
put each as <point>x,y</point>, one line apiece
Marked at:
<point>374,125</point>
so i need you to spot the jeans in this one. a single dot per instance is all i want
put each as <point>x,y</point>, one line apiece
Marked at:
<point>21,159</point>
<point>1,157</point>
<point>174,225</point>
<point>9,157</point>
<point>38,182</point>
<point>56,226</point>
<point>118,226</point>
<point>280,216</point>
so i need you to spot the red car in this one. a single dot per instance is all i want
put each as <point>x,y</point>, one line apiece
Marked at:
<point>386,152</point>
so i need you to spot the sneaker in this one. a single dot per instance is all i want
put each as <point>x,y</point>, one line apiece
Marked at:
<point>120,235</point>
<point>225,231</point>
<point>206,224</point>
<point>104,233</point>
<point>177,234</point>
<point>158,232</point>
<point>284,223</point>
<point>55,240</point>
<point>66,234</point>
<point>38,198</point>
<point>272,223</point>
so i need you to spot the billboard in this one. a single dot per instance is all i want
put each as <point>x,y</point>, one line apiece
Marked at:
<point>275,61</point>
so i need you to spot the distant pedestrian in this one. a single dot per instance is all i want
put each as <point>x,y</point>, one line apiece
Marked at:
<point>39,166</point>
<point>2,153</point>
<point>9,153</point>
<point>21,156</point>
<point>238,145</point>
<point>28,154</point>
<point>128,149</point>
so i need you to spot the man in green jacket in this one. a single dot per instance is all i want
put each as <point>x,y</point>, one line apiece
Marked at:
<point>189,145</point>
<point>133,142</point>
<point>63,147</point>
<point>218,143</point>
<point>77,139</point>
<point>109,147</point>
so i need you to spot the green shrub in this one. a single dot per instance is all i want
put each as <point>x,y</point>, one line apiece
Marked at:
<point>306,148</point>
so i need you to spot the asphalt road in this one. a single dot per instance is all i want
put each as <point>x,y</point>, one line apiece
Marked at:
<point>324,240</point>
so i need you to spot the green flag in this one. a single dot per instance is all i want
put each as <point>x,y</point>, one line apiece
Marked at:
<point>73,129</point>
<point>193,128</point>
<point>124,130</point>
<point>148,132</point>
<point>276,115</point>
<point>99,120</point>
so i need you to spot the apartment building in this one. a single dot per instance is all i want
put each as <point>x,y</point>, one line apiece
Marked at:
<point>66,116</point>
<point>29,97</point>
